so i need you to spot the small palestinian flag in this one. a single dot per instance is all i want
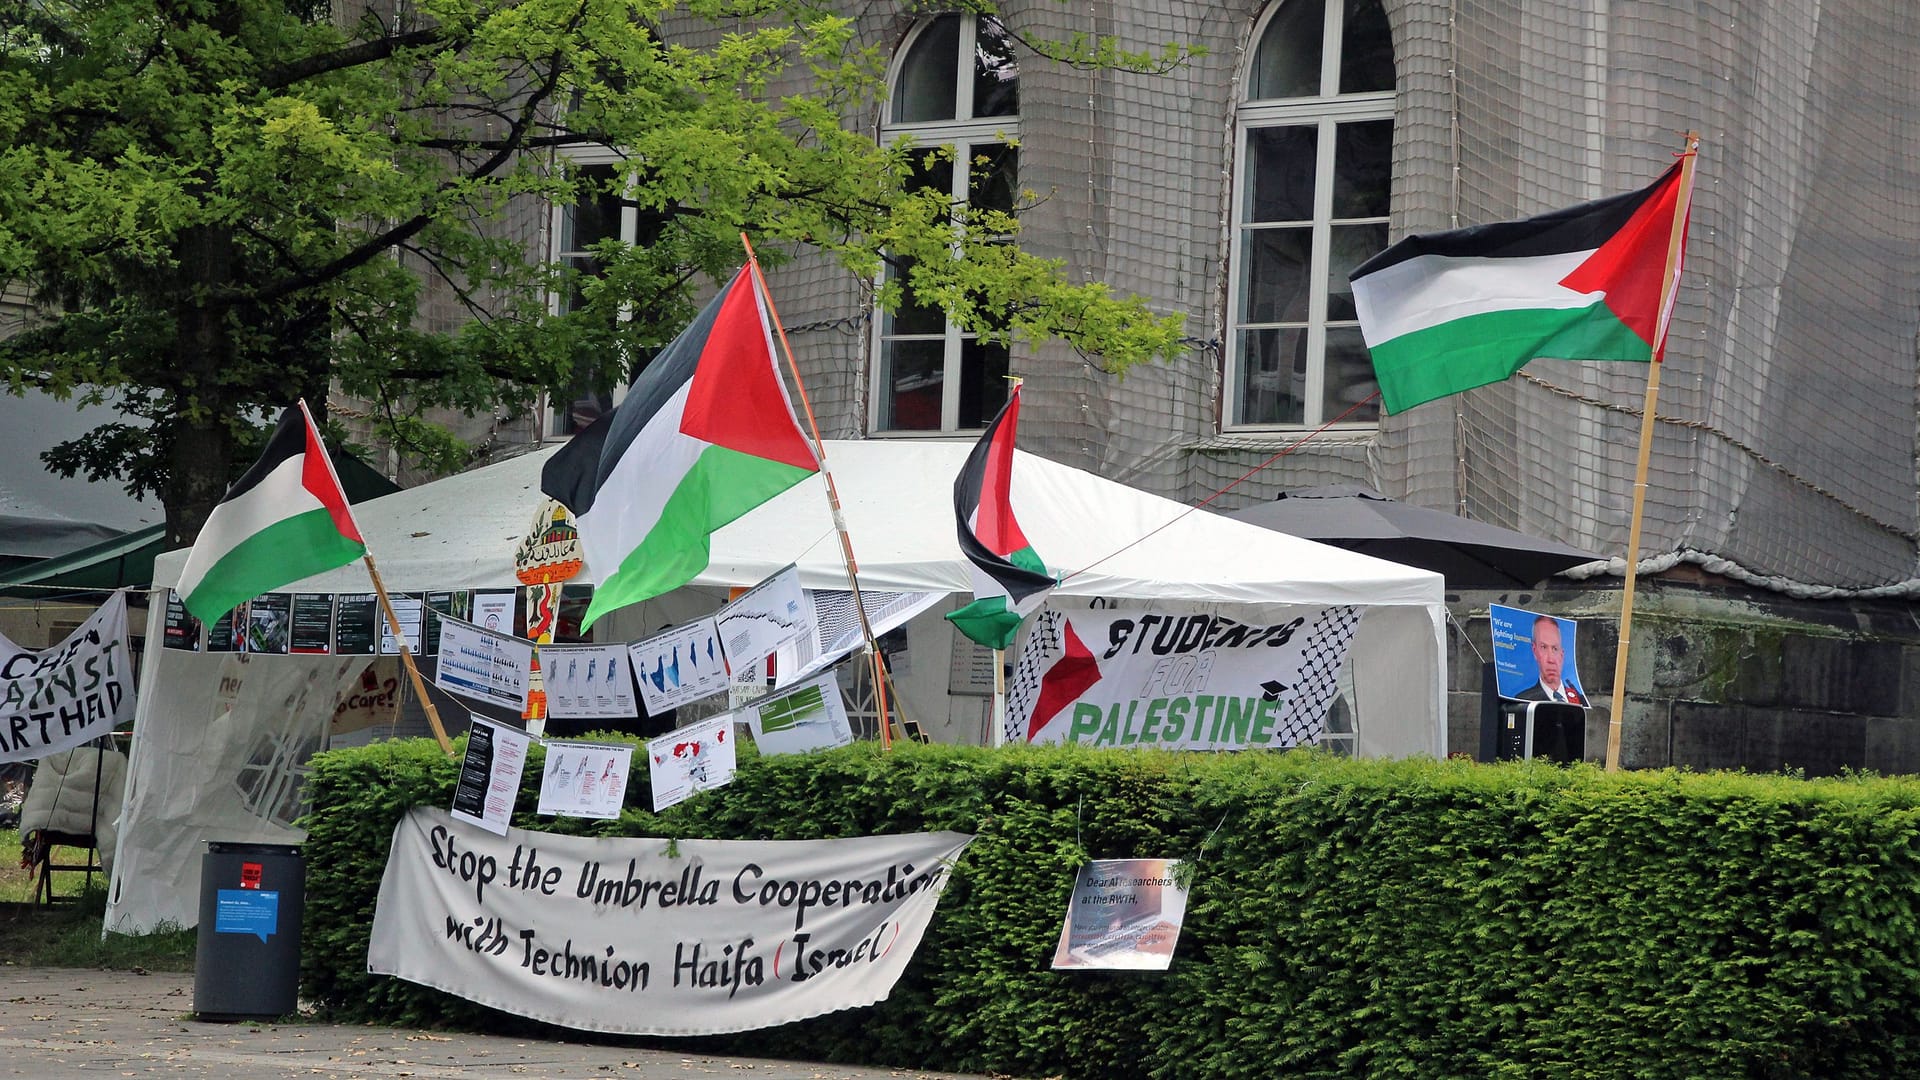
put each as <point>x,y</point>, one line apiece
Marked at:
<point>286,519</point>
<point>1009,580</point>
<point>1450,311</point>
<point>704,435</point>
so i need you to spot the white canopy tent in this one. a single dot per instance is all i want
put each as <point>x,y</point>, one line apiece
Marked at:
<point>1113,544</point>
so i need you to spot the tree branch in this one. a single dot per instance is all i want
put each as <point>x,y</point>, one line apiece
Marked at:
<point>366,52</point>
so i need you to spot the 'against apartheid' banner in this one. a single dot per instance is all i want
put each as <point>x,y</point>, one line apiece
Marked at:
<point>650,936</point>
<point>1178,680</point>
<point>59,698</point>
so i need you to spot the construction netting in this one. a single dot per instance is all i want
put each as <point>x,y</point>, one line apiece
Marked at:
<point>1785,448</point>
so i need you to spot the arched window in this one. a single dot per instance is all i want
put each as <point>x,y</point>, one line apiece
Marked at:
<point>1313,169</point>
<point>955,84</point>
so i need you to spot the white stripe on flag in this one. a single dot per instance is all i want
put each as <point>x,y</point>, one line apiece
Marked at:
<point>1427,291</point>
<point>279,495</point>
<point>632,497</point>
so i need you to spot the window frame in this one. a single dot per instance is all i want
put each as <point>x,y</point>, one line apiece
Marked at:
<point>583,157</point>
<point>1325,113</point>
<point>968,138</point>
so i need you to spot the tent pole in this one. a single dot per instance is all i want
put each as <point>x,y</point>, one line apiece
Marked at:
<point>999,710</point>
<point>1681,205</point>
<point>833,501</point>
<point>406,656</point>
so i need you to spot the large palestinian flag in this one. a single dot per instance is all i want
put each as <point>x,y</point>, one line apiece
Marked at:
<point>1450,311</point>
<point>286,519</point>
<point>1009,579</point>
<point>704,435</point>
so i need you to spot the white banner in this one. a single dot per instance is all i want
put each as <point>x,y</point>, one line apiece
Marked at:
<point>1182,680</point>
<point>650,936</point>
<point>59,698</point>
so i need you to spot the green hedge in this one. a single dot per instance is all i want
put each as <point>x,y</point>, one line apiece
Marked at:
<point>1347,918</point>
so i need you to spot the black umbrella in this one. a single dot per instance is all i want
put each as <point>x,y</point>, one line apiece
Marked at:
<point>1471,554</point>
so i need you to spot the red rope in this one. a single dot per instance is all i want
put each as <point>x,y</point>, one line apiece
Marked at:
<point>1295,445</point>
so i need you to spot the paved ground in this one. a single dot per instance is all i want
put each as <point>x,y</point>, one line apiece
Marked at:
<point>68,1024</point>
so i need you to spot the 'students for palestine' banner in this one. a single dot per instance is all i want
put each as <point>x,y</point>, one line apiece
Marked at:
<point>647,936</point>
<point>66,696</point>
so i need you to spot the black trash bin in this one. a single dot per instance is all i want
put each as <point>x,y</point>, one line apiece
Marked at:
<point>247,959</point>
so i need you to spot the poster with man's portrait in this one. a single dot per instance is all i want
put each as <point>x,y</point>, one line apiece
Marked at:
<point>1533,656</point>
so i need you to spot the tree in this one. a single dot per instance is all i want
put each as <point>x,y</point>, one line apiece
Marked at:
<point>220,205</point>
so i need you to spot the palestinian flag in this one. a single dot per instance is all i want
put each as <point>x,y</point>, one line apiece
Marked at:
<point>286,519</point>
<point>1009,580</point>
<point>703,436</point>
<point>1451,311</point>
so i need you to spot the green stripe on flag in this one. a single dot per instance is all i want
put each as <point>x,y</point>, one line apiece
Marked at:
<point>1481,349</point>
<point>721,486</point>
<point>988,621</point>
<point>1025,559</point>
<point>280,554</point>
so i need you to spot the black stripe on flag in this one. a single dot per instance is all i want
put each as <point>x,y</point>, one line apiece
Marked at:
<point>1576,228</point>
<point>1019,582</point>
<point>289,440</point>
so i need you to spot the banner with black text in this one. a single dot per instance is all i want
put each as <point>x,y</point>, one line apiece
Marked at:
<point>66,696</point>
<point>645,936</point>
<point>1179,680</point>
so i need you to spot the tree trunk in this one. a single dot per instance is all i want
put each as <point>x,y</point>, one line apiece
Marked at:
<point>200,448</point>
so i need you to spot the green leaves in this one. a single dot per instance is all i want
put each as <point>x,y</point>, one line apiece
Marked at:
<point>1346,918</point>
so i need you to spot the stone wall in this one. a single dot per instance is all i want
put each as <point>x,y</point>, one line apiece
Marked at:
<point>1723,679</point>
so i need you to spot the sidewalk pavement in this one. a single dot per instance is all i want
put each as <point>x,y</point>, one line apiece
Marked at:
<point>73,1023</point>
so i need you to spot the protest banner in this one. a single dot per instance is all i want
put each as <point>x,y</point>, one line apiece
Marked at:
<point>59,698</point>
<point>645,936</point>
<point>1186,680</point>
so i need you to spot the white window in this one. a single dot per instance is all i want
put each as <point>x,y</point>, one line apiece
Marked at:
<point>597,215</point>
<point>955,85</point>
<point>1313,169</point>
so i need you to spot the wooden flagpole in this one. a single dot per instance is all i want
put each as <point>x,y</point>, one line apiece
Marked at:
<point>833,501</point>
<point>406,655</point>
<point>1682,204</point>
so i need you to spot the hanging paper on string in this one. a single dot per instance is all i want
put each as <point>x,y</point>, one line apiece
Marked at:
<point>764,618</point>
<point>694,758</point>
<point>587,780</point>
<point>587,682</point>
<point>490,775</point>
<point>682,665</point>
<point>813,716</point>
<point>482,665</point>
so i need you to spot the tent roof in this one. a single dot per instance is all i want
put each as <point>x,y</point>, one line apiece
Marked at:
<point>460,533</point>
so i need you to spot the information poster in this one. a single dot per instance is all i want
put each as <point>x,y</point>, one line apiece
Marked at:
<point>1533,656</point>
<point>182,631</point>
<point>694,758</point>
<point>1125,914</point>
<point>765,617</point>
<point>490,775</point>
<point>227,634</point>
<point>682,665</point>
<point>356,623</point>
<point>269,623</point>
<point>484,666</point>
<point>587,780</point>
<point>312,623</point>
<point>409,608</point>
<point>493,610</point>
<point>439,604</point>
<point>813,716</point>
<point>587,682</point>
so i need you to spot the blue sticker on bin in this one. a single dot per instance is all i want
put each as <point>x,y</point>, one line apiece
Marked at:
<point>246,911</point>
